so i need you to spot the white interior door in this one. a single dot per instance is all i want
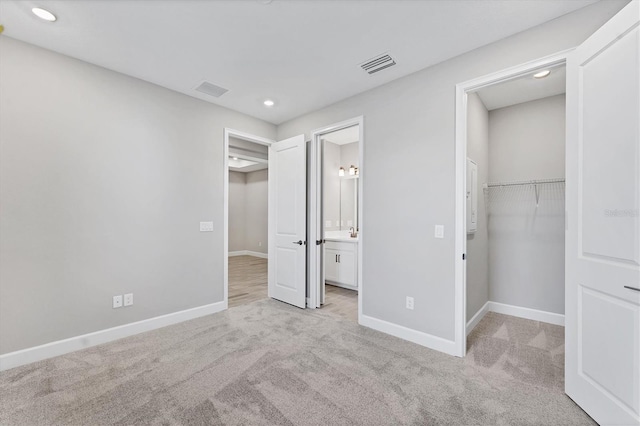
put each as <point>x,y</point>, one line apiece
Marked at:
<point>288,221</point>
<point>602,366</point>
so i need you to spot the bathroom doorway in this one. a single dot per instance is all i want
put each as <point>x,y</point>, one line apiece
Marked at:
<point>336,226</point>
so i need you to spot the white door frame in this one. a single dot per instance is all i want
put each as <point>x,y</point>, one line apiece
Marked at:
<point>250,138</point>
<point>315,204</point>
<point>462,90</point>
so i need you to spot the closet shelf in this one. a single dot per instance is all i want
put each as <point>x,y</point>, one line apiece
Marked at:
<point>534,183</point>
<point>523,182</point>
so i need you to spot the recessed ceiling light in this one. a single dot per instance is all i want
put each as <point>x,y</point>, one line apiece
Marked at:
<point>44,14</point>
<point>269,103</point>
<point>235,158</point>
<point>542,74</point>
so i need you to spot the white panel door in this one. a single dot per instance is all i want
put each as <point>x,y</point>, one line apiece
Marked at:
<point>288,221</point>
<point>602,365</point>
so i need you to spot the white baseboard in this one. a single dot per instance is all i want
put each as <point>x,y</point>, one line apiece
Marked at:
<point>248,253</point>
<point>61,347</point>
<point>514,311</point>
<point>478,317</point>
<point>527,313</point>
<point>424,339</point>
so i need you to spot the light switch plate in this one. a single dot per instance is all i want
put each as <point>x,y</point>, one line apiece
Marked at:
<point>117,301</point>
<point>206,226</point>
<point>439,231</point>
<point>128,299</point>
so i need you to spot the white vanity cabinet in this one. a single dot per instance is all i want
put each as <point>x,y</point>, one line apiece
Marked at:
<point>341,263</point>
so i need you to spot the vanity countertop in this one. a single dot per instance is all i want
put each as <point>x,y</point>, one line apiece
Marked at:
<point>341,238</point>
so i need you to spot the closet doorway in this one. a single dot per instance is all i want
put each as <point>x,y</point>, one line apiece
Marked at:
<point>510,215</point>
<point>514,226</point>
<point>515,199</point>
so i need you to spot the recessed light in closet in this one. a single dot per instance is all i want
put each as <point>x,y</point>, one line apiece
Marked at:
<point>44,14</point>
<point>542,74</point>
<point>269,103</point>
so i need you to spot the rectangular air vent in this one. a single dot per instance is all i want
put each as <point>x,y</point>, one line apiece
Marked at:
<point>211,89</point>
<point>378,63</point>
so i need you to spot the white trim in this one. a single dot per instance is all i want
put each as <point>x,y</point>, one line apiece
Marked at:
<point>514,311</point>
<point>428,340</point>
<point>61,347</point>
<point>225,184</point>
<point>527,313</point>
<point>315,257</point>
<point>477,317</point>
<point>248,253</point>
<point>460,234</point>
<point>315,284</point>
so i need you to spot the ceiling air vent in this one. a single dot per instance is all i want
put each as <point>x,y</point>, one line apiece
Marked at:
<point>378,63</point>
<point>211,89</point>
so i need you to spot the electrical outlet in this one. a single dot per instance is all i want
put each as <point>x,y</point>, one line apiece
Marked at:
<point>128,299</point>
<point>409,302</point>
<point>117,301</point>
<point>206,226</point>
<point>439,231</point>
<point>259,243</point>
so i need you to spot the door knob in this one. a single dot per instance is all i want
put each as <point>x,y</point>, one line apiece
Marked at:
<point>299,242</point>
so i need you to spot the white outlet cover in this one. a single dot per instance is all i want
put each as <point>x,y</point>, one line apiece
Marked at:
<point>328,224</point>
<point>117,301</point>
<point>206,226</point>
<point>409,302</point>
<point>439,231</point>
<point>128,299</point>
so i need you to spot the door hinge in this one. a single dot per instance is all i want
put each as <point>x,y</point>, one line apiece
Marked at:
<point>464,256</point>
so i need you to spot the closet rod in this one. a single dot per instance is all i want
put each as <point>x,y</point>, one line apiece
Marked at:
<point>524,182</point>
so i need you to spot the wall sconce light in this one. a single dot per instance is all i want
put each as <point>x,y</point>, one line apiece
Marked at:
<point>352,170</point>
<point>341,171</point>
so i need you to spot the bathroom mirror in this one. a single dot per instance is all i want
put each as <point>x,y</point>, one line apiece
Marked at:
<point>340,176</point>
<point>349,203</point>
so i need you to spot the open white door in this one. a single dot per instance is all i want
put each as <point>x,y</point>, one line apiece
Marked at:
<point>288,221</point>
<point>602,366</point>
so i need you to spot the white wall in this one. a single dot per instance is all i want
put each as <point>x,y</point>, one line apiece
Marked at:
<point>526,241</point>
<point>248,211</point>
<point>409,143</point>
<point>349,154</point>
<point>104,179</point>
<point>257,214</point>
<point>527,140</point>
<point>237,210</point>
<point>478,242</point>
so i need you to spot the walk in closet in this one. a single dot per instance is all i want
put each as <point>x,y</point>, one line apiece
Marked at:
<point>515,194</point>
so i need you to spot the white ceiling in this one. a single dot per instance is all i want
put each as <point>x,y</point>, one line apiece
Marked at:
<point>524,89</point>
<point>302,54</point>
<point>250,156</point>
<point>344,136</point>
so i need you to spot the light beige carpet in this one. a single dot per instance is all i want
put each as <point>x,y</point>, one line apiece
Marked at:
<point>270,363</point>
